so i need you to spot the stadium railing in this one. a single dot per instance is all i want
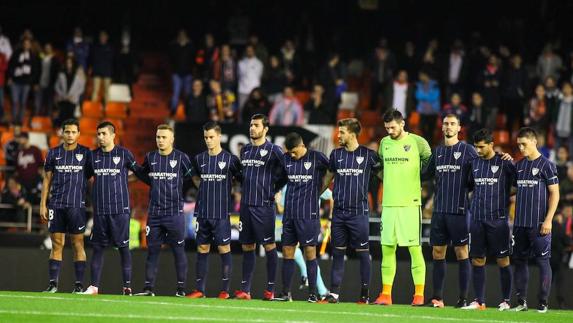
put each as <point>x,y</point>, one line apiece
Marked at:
<point>27,224</point>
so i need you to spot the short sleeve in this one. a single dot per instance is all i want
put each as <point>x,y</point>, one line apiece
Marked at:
<point>322,161</point>
<point>130,162</point>
<point>236,168</point>
<point>424,149</point>
<point>375,162</point>
<point>186,167</point>
<point>550,174</point>
<point>49,163</point>
<point>332,162</point>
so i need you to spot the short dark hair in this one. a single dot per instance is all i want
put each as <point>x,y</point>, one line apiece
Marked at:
<point>262,117</point>
<point>352,124</point>
<point>484,135</point>
<point>165,126</point>
<point>71,122</point>
<point>212,125</point>
<point>527,132</point>
<point>393,115</point>
<point>453,115</point>
<point>106,124</point>
<point>292,140</point>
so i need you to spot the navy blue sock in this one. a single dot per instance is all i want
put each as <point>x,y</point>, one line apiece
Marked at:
<point>201,271</point>
<point>337,269</point>
<point>125,256</point>
<point>365,265</point>
<point>248,270</point>
<point>464,277</point>
<point>96,265</point>
<point>287,273</point>
<point>226,269</point>
<point>438,275</point>
<point>151,265</point>
<point>521,278</point>
<point>80,269</point>
<point>54,270</point>
<point>505,279</point>
<point>311,271</point>
<point>272,262</point>
<point>479,283</point>
<point>180,265</point>
<point>545,277</point>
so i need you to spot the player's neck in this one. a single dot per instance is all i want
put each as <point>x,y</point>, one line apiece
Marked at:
<point>166,152</point>
<point>402,135</point>
<point>534,155</point>
<point>108,148</point>
<point>215,151</point>
<point>352,146</point>
<point>489,156</point>
<point>258,141</point>
<point>70,147</point>
<point>451,141</point>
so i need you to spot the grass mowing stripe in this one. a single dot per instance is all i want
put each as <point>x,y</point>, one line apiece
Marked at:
<point>281,310</point>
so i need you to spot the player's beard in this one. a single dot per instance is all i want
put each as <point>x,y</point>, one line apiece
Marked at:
<point>397,135</point>
<point>450,135</point>
<point>255,136</point>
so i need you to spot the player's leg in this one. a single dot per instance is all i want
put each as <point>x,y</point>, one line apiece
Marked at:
<point>264,225</point>
<point>76,228</point>
<point>289,241</point>
<point>542,252</point>
<point>458,230</point>
<point>477,255</point>
<point>154,234</point>
<point>301,264</point>
<point>499,241</point>
<point>408,228</point>
<point>389,243</point>
<point>308,237</point>
<point>359,237</point>
<point>120,236</point>
<point>175,227</point>
<point>339,242</point>
<point>439,241</point>
<point>222,232</point>
<point>99,240</point>
<point>205,234</point>
<point>520,260</point>
<point>57,229</point>
<point>248,242</point>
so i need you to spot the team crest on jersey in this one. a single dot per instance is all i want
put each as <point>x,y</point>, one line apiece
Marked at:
<point>457,155</point>
<point>494,169</point>
<point>359,159</point>
<point>222,164</point>
<point>307,165</point>
<point>535,171</point>
<point>173,163</point>
<point>264,152</point>
<point>116,160</point>
<point>79,157</point>
<point>407,148</point>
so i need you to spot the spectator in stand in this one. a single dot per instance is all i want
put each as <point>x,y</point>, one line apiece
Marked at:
<point>562,117</point>
<point>562,161</point>
<point>567,76</point>
<point>399,95</point>
<point>428,106</point>
<point>430,60</point>
<point>382,68</point>
<point>549,64</point>
<point>536,111</point>
<point>489,82</point>
<point>291,61</point>
<point>455,74</point>
<point>69,87</point>
<point>5,46</point>
<point>332,76</point>
<point>17,196</point>
<point>181,58</point>
<point>80,48</point>
<point>11,148</point>
<point>552,94</point>
<point>45,95</point>
<point>566,187</point>
<point>225,70</point>
<point>127,62</point>
<point>250,73</point>
<point>408,60</point>
<point>206,57</point>
<point>3,69</point>
<point>455,106</point>
<point>560,246</point>
<point>29,162</point>
<point>274,79</point>
<point>320,110</point>
<point>261,51</point>
<point>287,111</point>
<point>196,109</point>
<point>514,88</point>
<point>256,104</point>
<point>23,73</point>
<point>102,66</point>
<point>221,103</point>
<point>28,34</point>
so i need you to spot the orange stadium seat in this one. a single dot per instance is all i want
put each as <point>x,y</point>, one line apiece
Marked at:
<point>6,137</point>
<point>180,114</point>
<point>88,141</point>
<point>41,124</point>
<point>302,96</point>
<point>116,110</point>
<point>501,137</point>
<point>88,125</point>
<point>92,109</point>
<point>55,140</point>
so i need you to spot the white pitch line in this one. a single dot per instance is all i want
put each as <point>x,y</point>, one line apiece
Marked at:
<point>266,309</point>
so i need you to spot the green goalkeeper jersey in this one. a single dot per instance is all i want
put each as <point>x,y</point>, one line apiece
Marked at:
<point>403,161</point>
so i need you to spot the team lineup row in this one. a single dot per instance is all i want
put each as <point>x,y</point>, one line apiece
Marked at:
<point>403,160</point>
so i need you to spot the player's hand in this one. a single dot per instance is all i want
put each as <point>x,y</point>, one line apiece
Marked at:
<point>506,156</point>
<point>43,213</point>
<point>546,228</point>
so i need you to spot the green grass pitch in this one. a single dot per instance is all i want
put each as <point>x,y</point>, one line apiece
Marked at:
<point>60,307</point>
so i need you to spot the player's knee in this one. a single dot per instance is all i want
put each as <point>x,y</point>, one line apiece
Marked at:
<point>203,248</point>
<point>503,262</point>
<point>310,252</point>
<point>270,246</point>
<point>78,242</point>
<point>288,252</point>
<point>461,252</point>
<point>439,252</point>
<point>224,248</point>
<point>478,262</point>
<point>249,247</point>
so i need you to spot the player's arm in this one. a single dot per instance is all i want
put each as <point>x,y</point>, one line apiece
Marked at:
<point>187,168</point>
<point>425,151</point>
<point>279,201</point>
<point>327,179</point>
<point>512,175</point>
<point>429,171</point>
<point>280,170</point>
<point>552,202</point>
<point>45,192</point>
<point>142,172</point>
<point>327,196</point>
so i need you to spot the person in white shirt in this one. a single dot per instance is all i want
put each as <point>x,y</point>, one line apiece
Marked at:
<point>5,47</point>
<point>250,73</point>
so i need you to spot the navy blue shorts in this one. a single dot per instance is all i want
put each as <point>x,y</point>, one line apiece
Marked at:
<point>211,230</point>
<point>168,229</point>
<point>350,229</point>
<point>111,229</point>
<point>68,220</point>
<point>449,229</point>
<point>300,231</point>
<point>530,243</point>
<point>257,224</point>
<point>490,237</point>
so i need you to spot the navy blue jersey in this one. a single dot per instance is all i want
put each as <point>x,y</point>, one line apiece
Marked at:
<point>450,165</point>
<point>491,180</point>
<point>216,172</point>
<point>111,169</point>
<point>263,174</point>
<point>352,171</point>
<point>165,176</point>
<point>533,178</point>
<point>69,176</point>
<point>304,184</point>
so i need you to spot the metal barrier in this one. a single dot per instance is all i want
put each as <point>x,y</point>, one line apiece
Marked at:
<point>27,225</point>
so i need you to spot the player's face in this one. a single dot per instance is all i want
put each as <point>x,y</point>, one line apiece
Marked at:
<point>71,134</point>
<point>105,137</point>
<point>394,128</point>
<point>526,146</point>
<point>164,139</point>
<point>257,130</point>
<point>212,139</point>
<point>297,152</point>
<point>345,136</point>
<point>451,127</point>
<point>483,149</point>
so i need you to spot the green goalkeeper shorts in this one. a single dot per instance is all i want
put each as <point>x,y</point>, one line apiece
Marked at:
<point>401,225</point>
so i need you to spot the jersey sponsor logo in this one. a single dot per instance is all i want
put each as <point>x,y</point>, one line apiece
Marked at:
<point>222,164</point>
<point>535,171</point>
<point>494,168</point>
<point>299,178</point>
<point>307,165</point>
<point>213,177</point>
<point>252,163</point>
<point>448,168</point>
<point>407,148</point>
<point>485,181</point>
<point>457,155</point>
<point>79,157</point>
<point>116,160</point>
<point>69,168</point>
<point>349,171</point>
<point>264,152</point>
<point>527,183</point>
<point>359,159</point>
<point>173,163</point>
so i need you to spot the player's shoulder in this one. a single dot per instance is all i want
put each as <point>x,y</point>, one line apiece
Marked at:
<point>366,149</point>
<point>83,149</point>
<point>179,154</point>
<point>316,154</point>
